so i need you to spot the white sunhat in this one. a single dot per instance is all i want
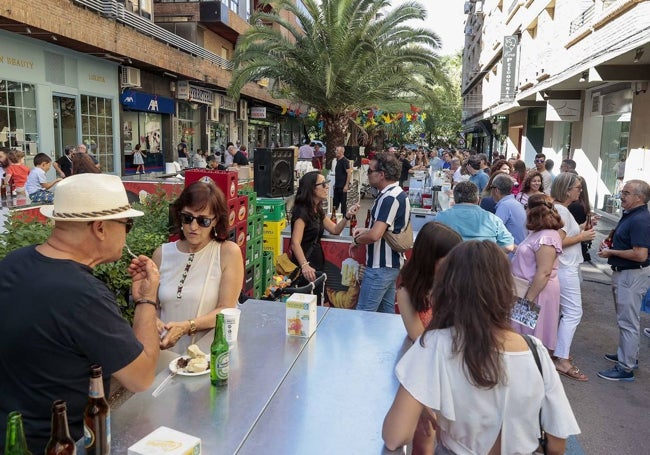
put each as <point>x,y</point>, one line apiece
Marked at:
<point>90,197</point>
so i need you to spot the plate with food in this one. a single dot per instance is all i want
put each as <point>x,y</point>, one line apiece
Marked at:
<point>196,363</point>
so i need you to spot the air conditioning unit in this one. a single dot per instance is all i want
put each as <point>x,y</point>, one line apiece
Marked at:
<point>469,30</point>
<point>242,113</point>
<point>213,113</point>
<point>130,77</point>
<point>478,8</point>
<point>468,7</point>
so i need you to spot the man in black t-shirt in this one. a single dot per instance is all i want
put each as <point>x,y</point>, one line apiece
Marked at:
<point>238,157</point>
<point>342,180</point>
<point>63,165</point>
<point>58,319</point>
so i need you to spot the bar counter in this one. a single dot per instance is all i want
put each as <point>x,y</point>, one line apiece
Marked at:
<point>325,394</point>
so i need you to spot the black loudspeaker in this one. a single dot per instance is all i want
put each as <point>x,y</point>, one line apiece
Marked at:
<point>273,172</point>
<point>352,153</point>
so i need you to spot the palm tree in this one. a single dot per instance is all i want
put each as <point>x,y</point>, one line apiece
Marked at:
<point>343,56</point>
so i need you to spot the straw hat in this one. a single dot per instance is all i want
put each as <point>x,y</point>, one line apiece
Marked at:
<point>90,197</point>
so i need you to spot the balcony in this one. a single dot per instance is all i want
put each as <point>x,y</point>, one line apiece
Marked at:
<point>598,14</point>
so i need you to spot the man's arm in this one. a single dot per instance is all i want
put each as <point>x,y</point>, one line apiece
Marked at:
<point>58,169</point>
<point>636,254</point>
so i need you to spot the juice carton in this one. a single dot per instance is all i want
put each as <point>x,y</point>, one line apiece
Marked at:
<point>166,441</point>
<point>301,315</point>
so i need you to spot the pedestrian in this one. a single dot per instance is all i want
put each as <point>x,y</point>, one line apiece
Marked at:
<point>138,159</point>
<point>390,210</point>
<point>629,260</point>
<point>58,319</point>
<point>183,154</point>
<point>540,166</point>
<point>476,175</point>
<point>511,212</point>
<point>63,165</point>
<point>342,181</point>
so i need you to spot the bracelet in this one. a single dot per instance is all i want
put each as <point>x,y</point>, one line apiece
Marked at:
<point>347,218</point>
<point>354,240</point>
<point>304,264</point>
<point>150,302</point>
<point>192,326</point>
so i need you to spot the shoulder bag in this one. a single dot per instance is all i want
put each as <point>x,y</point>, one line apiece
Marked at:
<point>400,242</point>
<point>542,434</point>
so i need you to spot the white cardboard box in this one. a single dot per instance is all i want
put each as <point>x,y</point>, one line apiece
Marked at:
<point>301,315</point>
<point>165,441</point>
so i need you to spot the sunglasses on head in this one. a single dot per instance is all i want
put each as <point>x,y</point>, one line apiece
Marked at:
<point>203,221</point>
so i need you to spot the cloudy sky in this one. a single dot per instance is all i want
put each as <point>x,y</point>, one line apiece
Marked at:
<point>446,18</point>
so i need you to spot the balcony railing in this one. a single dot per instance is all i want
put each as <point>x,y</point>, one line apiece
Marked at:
<point>584,18</point>
<point>111,9</point>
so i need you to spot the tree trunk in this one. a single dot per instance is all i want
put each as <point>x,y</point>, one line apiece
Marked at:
<point>336,129</point>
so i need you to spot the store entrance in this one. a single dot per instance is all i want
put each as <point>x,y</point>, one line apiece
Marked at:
<point>65,122</point>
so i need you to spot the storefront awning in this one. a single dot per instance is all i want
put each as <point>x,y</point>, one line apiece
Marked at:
<point>138,101</point>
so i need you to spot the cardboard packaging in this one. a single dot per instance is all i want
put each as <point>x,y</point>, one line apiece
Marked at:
<point>165,441</point>
<point>301,315</point>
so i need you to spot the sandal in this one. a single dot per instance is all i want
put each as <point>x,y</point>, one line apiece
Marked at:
<point>573,373</point>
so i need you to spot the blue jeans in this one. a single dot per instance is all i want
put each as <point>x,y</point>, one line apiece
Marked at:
<point>378,290</point>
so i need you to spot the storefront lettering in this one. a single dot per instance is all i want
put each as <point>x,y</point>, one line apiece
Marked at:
<point>153,105</point>
<point>17,62</point>
<point>97,78</point>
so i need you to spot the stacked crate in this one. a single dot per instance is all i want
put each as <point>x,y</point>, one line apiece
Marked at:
<point>253,255</point>
<point>274,222</point>
<point>237,205</point>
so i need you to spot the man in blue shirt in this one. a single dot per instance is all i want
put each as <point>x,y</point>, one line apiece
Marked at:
<point>472,222</point>
<point>628,257</point>
<point>476,175</point>
<point>511,212</point>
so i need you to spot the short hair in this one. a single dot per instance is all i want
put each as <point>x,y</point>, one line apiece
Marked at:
<point>198,196</point>
<point>389,165</point>
<point>466,192</point>
<point>482,157</point>
<point>541,214</point>
<point>41,158</point>
<point>69,149</point>
<point>14,156</point>
<point>548,165</point>
<point>642,188</point>
<point>540,155</point>
<point>570,163</point>
<point>474,162</point>
<point>503,183</point>
<point>562,185</point>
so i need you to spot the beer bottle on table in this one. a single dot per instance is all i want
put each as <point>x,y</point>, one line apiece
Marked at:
<point>353,223</point>
<point>97,416</point>
<point>60,442</point>
<point>219,355</point>
<point>367,223</point>
<point>15,443</point>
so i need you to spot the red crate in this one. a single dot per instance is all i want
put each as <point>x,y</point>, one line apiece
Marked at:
<point>225,180</point>
<point>242,210</point>
<point>233,205</point>
<point>240,238</point>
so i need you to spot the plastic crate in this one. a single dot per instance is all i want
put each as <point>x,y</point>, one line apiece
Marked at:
<point>232,205</point>
<point>225,180</point>
<point>248,277</point>
<point>274,228</point>
<point>242,208</point>
<point>241,229</point>
<point>268,264</point>
<point>254,250</point>
<point>258,274</point>
<point>272,209</point>
<point>258,291</point>
<point>272,244</point>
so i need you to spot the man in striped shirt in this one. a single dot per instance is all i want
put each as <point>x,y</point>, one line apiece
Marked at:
<point>391,210</point>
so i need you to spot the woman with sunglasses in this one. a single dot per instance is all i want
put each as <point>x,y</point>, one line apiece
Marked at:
<point>308,222</point>
<point>201,273</point>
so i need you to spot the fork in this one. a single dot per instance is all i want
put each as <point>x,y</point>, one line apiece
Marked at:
<point>131,253</point>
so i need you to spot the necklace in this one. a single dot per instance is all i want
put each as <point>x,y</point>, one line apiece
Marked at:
<point>179,291</point>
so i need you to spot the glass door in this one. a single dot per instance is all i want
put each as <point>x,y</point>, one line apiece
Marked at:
<point>64,110</point>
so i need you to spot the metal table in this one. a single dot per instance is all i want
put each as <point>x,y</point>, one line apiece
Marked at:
<point>284,393</point>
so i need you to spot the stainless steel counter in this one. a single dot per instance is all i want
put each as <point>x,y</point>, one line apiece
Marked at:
<point>325,394</point>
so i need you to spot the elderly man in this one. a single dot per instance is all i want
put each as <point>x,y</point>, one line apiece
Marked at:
<point>390,210</point>
<point>81,148</point>
<point>238,158</point>
<point>342,180</point>
<point>511,212</point>
<point>628,257</point>
<point>568,165</point>
<point>471,221</point>
<point>58,319</point>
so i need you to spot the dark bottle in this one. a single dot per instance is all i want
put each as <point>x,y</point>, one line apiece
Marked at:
<point>353,223</point>
<point>15,443</point>
<point>333,217</point>
<point>60,442</point>
<point>367,224</point>
<point>219,355</point>
<point>12,187</point>
<point>589,224</point>
<point>97,416</point>
<point>3,189</point>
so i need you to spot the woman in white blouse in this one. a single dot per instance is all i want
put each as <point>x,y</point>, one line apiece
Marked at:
<point>475,374</point>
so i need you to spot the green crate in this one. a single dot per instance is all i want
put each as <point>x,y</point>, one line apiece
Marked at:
<point>258,291</point>
<point>269,266</point>
<point>252,198</point>
<point>272,209</point>
<point>255,225</point>
<point>254,250</point>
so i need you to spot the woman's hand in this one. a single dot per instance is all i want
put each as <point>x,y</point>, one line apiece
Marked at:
<point>353,210</point>
<point>175,331</point>
<point>308,272</point>
<point>588,235</point>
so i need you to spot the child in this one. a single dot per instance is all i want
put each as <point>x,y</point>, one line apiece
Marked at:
<point>37,185</point>
<point>138,159</point>
<point>17,170</point>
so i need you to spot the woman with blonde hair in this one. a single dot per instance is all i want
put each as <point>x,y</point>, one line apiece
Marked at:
<point>477,376</point>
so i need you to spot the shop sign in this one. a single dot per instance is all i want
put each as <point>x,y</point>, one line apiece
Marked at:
<point>185,91</point>
<point>509,68</point>
<point>563,111</point>
<point>146,102</point>
<point>227,103</point>
<point>258,112</point>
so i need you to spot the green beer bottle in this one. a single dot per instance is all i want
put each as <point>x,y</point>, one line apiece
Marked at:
<point>219,356</point>
<point>15,443</point>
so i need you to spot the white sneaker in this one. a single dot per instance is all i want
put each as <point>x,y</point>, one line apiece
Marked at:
<point>646,332</point>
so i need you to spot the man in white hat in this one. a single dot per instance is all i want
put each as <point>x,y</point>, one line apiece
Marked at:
<point>58,319</point>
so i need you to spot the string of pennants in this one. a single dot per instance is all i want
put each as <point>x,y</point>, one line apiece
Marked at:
<point>364,117</point>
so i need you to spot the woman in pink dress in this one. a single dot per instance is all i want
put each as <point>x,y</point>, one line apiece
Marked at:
<point>536,261</point>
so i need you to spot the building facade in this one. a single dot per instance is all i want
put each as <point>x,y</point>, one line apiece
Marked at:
<point>567,78</point>
<point>113,74</point>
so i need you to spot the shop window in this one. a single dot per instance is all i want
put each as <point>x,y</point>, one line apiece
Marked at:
<point>18,128</point>
<point>188,125</point>
<point>97,129</point>
<point>234,5</point>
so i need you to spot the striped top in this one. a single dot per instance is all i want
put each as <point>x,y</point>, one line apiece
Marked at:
<point>393,208</point>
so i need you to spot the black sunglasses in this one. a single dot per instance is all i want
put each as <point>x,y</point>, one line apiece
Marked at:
<point>324,183</point>
<point>202,221</point>
<point>128,224</point>
<point>370,171</point>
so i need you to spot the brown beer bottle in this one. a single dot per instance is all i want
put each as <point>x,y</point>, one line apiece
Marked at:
<point>97,416</point>
<point>353,223</point>
<point>367,224</point>
<point>60,442</point>
<point>333,217</point>
<point>15,443</point>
